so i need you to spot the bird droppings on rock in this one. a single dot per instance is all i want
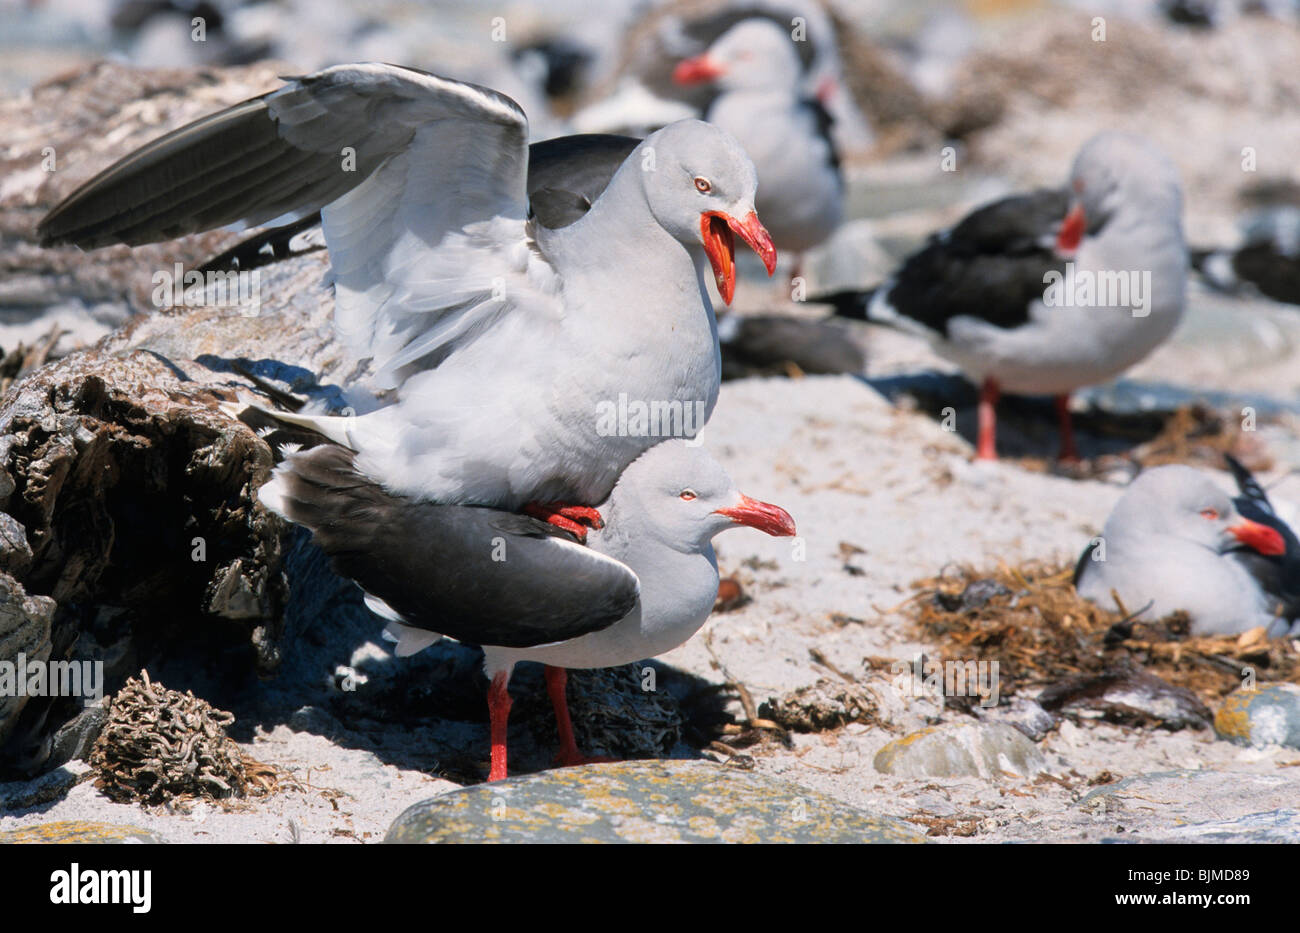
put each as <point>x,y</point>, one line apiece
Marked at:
<point>1044,636</point>
<point>161,745</point>
<point>78,832</point>
<point>660,801</point>
<point>986,750</point>
<point>1268,715</point>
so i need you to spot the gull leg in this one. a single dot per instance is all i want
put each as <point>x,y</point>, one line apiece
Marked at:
<point>986,447</point>
<point>575,519</point>
<point>1069,452</point>
<point>568,755</point>
<point>499,715</point>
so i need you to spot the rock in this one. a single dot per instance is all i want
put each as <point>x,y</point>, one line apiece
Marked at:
<point>79,832</point>
<point>648,801</point>
<point>988,750</point>
<point>24,631</point>
<point>128,517</point>
<point>1190,797</point>
<point>1269,715</point>
<point>1271,826</point>
<point>20,795</point>
<point>1128,695</point>
<point>1023,714</point>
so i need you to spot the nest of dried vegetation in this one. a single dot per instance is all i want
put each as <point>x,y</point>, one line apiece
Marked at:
<point>162,746</point>
<point>1032,622</point>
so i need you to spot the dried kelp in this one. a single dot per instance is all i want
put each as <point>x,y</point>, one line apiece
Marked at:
<point>161,745</point>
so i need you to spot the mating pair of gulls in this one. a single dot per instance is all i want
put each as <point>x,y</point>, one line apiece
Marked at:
<point>501,305</point>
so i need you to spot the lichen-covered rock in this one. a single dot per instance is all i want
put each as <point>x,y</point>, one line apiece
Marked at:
<point>987,750</point>
<point>78,832</point>
<point>1269,715</point>
<point>646,801</point>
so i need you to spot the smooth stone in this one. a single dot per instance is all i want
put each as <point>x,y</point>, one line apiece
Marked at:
<point>81,832</point>
<point>1268,715</point>
<point>643,801</point>
<point>1186,797</point>
<point>1023,714</point>
<point>986,750</point>
<point>1270,827</point>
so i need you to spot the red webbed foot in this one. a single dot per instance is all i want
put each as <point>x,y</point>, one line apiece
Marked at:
<point>575,519</point>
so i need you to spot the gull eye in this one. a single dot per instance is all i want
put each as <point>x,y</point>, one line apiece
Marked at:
<point>703,185</point>
<point>688,495</point>
<point>1211,514</point>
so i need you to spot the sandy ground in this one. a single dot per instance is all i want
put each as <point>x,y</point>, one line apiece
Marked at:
<point>852,469</point>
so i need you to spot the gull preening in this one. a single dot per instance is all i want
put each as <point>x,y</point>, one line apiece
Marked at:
<point>1047,292</point>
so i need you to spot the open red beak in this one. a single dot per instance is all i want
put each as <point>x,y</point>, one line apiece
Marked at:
<point>1259,537</point>
<point>1072,229</point>
<point>764,516</point>
<point>697,70</point>
<point>716,230</point>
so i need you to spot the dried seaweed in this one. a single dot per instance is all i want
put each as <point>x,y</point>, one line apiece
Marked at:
<point>823,706</point>
<point>1031,621</point>
<point>162,745</point>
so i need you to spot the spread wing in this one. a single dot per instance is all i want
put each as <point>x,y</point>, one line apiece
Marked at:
<point>420,181</point>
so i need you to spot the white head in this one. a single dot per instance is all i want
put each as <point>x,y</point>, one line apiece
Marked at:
<point>1181,502</point>
<point>701,186</point>
<point>1115,171</point>
<point>753,55</point>
<point>677,495</point>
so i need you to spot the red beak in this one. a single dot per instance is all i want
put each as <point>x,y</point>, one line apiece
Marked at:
<point>764,516</point>
<point>697,70</point>
<point>1072,229</point>
<point>716,233</point>
<point>1259,536</point>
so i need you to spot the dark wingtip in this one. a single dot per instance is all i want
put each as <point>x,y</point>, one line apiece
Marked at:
<point>851,303</point>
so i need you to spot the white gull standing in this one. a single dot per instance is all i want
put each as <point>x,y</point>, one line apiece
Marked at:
<point>502,338</point>
<point>786,132</point>
<point>522,588</point>
<point>1043,293</point>
<point>1176,541</point>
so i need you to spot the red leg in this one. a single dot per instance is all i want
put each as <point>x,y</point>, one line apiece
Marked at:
<point>986,446</point>
<point>568,755</point>
<point>1069,452</point>
<point>499,716</point>
<point>575,519</point>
